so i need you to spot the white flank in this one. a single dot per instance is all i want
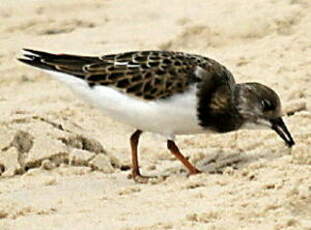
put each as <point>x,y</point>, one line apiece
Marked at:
<point>169,117</point>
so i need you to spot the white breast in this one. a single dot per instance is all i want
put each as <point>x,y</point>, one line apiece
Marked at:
<point>169,117</point>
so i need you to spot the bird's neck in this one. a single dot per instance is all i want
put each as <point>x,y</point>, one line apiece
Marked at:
<point>216,109</point>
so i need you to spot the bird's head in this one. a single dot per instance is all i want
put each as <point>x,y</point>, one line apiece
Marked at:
<point>260,106</point>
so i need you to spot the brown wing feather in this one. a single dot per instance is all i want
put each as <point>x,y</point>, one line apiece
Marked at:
<point>147,74</point>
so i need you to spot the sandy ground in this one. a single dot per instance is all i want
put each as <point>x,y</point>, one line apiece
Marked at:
<point>63,165</point>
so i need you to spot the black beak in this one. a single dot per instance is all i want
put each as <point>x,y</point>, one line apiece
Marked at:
<point>279,127</point>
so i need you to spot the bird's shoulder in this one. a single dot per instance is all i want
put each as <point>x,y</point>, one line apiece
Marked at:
<point>216,108</point>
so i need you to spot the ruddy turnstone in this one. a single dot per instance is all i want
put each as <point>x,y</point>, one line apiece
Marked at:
<point>164,92</point>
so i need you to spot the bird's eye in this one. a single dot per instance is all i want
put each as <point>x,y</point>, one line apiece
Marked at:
<point>267,105</point>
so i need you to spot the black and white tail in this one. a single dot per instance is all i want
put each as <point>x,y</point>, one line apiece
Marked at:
<point>64,63</point>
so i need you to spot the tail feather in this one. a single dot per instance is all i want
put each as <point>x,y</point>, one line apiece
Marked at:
<point>38,53</point>
<point>70,64</point>
<point>36,62</point>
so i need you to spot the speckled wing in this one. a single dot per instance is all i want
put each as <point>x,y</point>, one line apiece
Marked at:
<point>146,74</point>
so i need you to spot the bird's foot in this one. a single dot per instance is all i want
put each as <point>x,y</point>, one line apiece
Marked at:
<point>140,179</point>
<point>194,172</point>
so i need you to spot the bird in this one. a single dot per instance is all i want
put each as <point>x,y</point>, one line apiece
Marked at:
<point>165,92</point>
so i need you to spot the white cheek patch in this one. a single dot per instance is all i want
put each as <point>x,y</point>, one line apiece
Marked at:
<point>259,124</point>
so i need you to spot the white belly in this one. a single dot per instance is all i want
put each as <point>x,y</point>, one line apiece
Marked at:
<point>174,116</point>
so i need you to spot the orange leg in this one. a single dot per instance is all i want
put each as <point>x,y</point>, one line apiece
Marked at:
<point>135,166</point>
<point>134,144</point>
<point>175,151</point>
